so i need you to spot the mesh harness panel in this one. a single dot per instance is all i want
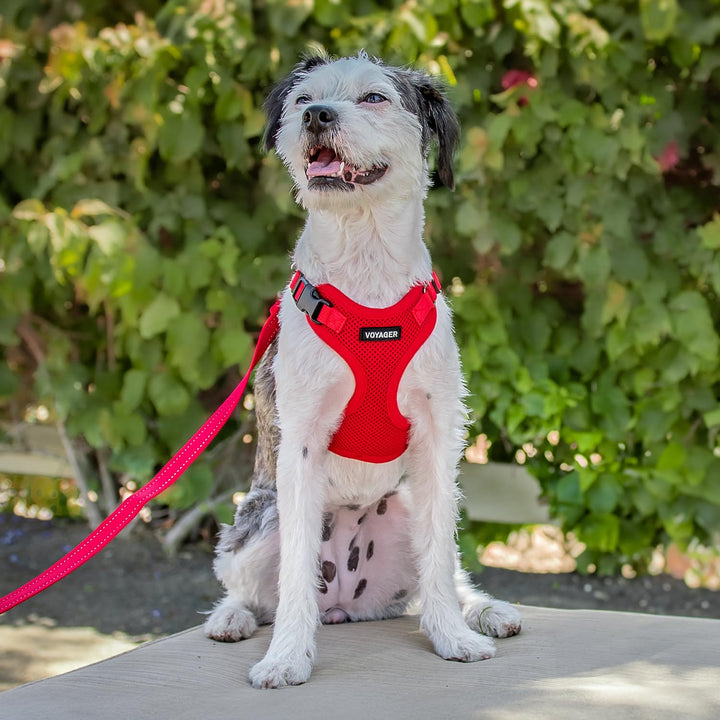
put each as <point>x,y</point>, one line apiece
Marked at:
<point>377,344</point>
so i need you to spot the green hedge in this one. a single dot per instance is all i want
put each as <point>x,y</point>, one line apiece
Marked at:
<point>143,232</point>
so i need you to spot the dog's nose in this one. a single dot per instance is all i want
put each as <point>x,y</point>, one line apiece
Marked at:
<point>319,117</point>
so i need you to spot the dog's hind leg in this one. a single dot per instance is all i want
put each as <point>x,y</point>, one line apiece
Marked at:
<point>247,565</point>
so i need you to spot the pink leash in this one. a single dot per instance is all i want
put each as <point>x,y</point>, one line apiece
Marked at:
<point>132,505</point>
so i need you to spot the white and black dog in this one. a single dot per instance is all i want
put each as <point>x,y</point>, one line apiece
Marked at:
<point>323,536</point>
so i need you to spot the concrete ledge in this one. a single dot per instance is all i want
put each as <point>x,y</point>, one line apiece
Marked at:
<point>566,664</point>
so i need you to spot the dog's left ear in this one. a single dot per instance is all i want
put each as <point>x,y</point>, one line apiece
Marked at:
<point>439,122</point>
<point>423,96</point>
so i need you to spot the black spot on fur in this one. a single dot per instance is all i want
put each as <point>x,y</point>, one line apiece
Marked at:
<point>305,452</point>
<point>382,506</point>
<point>354,559</point>
<point>328,571</point>
<point>360,589</point>
<point>428,396</point>
<point>400,594</point>
<point>327,526</point>
<point>352,507</point>
<point>370,550</point>
<point>322,587</point>
<point>361,519</point>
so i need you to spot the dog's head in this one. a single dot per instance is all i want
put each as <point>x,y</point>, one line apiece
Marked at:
<point>354,128</point>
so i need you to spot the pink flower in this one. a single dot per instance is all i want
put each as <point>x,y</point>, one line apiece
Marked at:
<point>513,78</point>
<point>518,77</point>
<point>669,157</point>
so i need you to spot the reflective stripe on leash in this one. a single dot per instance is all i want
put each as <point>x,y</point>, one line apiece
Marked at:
<point>131,506</point>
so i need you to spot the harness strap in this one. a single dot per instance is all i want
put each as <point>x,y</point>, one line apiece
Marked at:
<point>322,312</point>
<point>132,505</point>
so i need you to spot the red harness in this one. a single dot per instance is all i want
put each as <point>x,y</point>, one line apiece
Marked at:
<point>377,344</point>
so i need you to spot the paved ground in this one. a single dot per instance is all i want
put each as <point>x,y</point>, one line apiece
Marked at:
<point>132,592</point>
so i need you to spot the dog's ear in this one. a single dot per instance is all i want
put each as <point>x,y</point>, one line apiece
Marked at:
<point>423,96</point>
<point>275,101</point>
<point>439,122</point>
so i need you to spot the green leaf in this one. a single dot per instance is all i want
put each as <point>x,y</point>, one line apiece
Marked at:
<point>710,233</point>
<point>600,532</point>
<point>568,489</point>
<point>181,135</point>
<point>712,418</point>
<point>559,251</point>
<point>9,382</point>
<point>617,304</point>
<point>158,315</point>
<point>477,13</point>
<point>658,18</point>
<point>110,236</point>
<point>612,407</point>
<point>507,233</point>
<point>187,340</point>
<point>138,462</point>
<point>693,324</point>
<point>235,148</point>
<point>235,345</point>
<point>120,426</point>
<point>169,396</point>
<point>471,221</point>
<point>604,494</point>
<point>672,457</point>
<point>133,390</point>
<point>92,207</point>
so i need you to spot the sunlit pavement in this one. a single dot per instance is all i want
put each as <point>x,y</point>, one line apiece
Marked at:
<point>34,652</point>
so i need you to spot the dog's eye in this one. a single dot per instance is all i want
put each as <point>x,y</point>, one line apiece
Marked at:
<point>373,98</point>
<point>303,100</point>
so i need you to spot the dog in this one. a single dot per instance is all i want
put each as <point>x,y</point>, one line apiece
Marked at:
<point>332,535</point>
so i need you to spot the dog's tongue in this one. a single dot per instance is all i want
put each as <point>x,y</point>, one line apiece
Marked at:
<point>327,164</point>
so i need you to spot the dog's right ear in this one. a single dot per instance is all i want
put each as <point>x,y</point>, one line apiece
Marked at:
<point>275,101</point>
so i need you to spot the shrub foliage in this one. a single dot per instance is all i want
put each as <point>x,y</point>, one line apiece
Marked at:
<point>143,231</point>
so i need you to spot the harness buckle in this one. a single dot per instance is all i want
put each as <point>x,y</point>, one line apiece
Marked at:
<point>308,299</point>
<point>435,282</point>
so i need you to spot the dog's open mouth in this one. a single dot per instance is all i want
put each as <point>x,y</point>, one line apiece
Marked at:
<point>326,169</point>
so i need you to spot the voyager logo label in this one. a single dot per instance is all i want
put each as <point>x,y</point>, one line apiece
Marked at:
<point>380,333</point>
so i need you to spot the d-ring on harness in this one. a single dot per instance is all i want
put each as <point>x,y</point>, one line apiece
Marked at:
<point>377,344</point>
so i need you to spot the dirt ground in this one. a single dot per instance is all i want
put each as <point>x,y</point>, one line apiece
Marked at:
<point>132,592</point>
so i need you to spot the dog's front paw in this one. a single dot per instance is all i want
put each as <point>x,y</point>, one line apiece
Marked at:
<point>467,646</point>
<point>230,622</point>
<point>275,671</point>
<point>495,618</point>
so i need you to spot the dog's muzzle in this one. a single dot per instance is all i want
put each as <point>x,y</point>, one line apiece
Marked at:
<point>326,169</point>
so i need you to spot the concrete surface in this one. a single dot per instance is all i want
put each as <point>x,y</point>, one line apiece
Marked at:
<point>566,664</point>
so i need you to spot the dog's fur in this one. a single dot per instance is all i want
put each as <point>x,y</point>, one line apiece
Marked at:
<point>322,538</point>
